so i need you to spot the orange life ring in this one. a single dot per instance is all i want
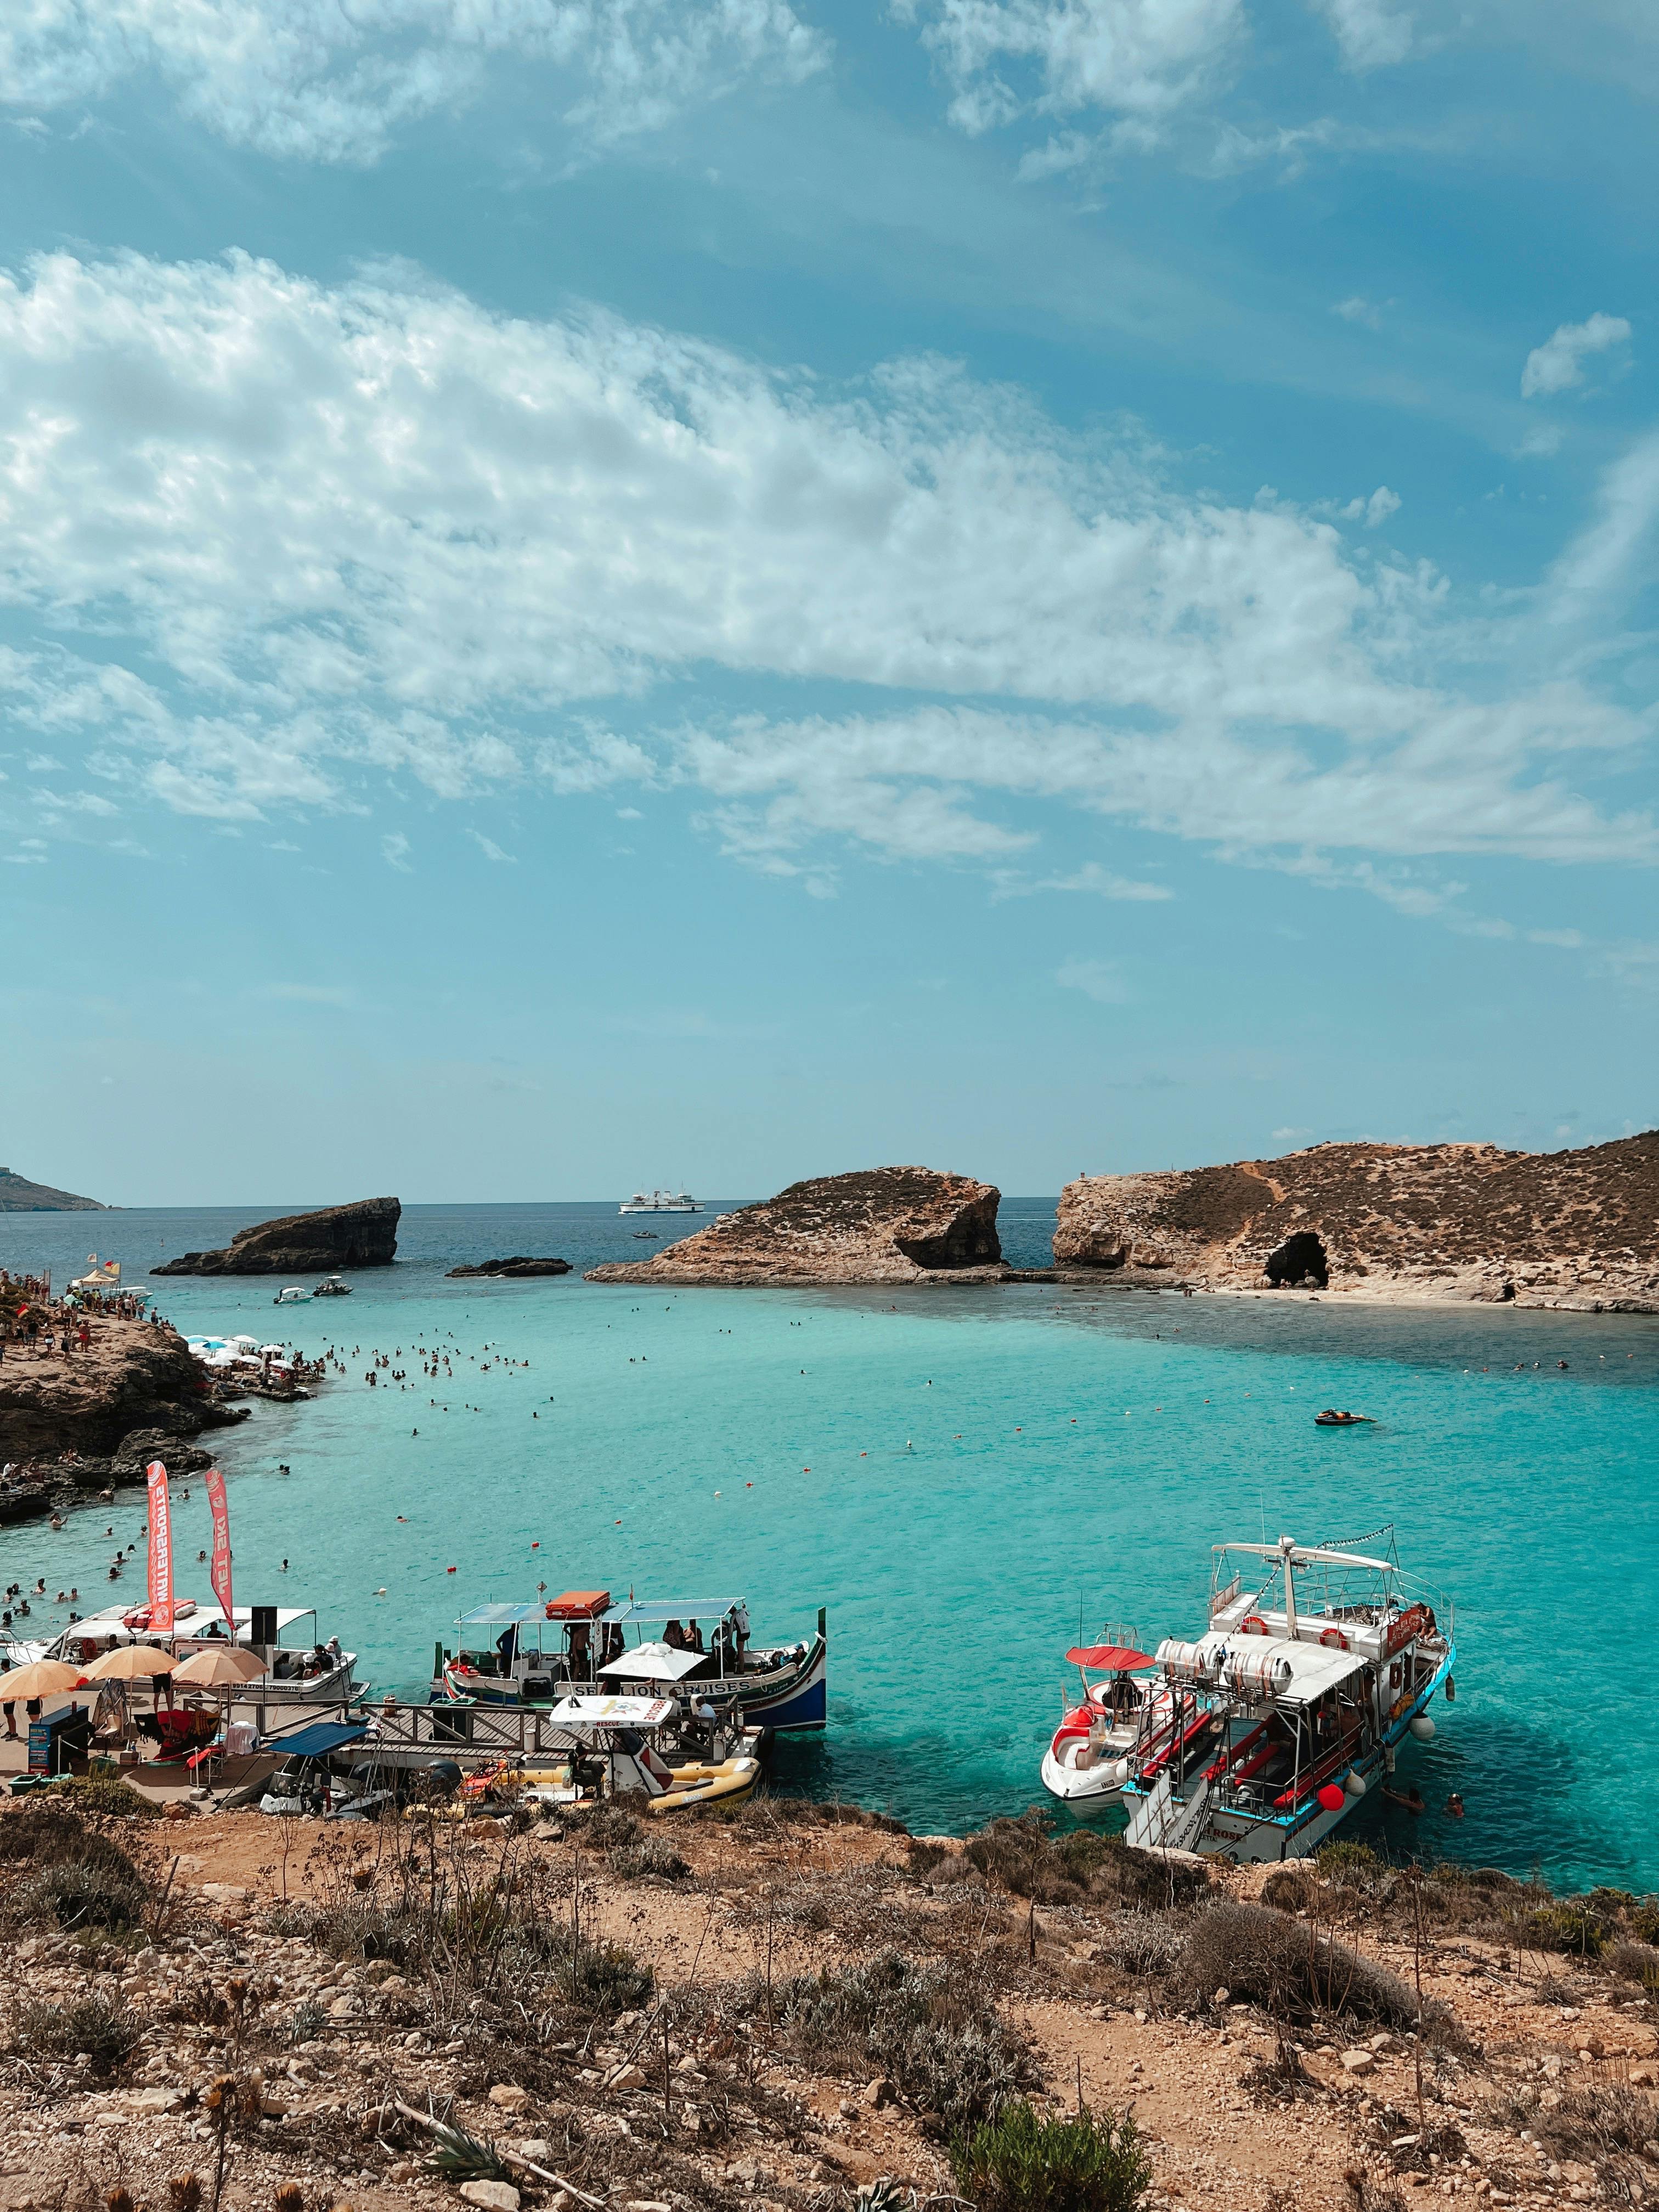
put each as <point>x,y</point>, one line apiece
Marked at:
<point>1334,1640</point>
<point>1253,1625</point>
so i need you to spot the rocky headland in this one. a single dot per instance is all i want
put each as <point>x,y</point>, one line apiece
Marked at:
<point>880,1225</point>
<point>134,1392</point>
<point>1571,1229</point>
<point>515,1270</point>
<point>361,1234</point>
<point>19,1195</point>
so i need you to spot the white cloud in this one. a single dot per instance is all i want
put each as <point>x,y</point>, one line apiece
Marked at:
<point>1102,883</point>
<point>1360,310</point>
<point>394,851</point>
<point>1099,980</point>
<point>320,81</point>
<point>1558,363</point>
<point>1596,570</point>
<point>372,534</point>
<point>489,847</point>
<point>1370,35</point>
<point>1138,60</point>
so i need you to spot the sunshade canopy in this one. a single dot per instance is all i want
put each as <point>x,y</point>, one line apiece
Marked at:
<point>131,1662</point>
<point>654,1662</point>
<point>41,1678</point>
<point>1116,1658</point>
<point>318,1740</point>
<point>677,1608</point>
<point>215,1669</point>
<point>500,1616</point>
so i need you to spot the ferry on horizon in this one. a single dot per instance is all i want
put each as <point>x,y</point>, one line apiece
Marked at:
<point>659,1201</point>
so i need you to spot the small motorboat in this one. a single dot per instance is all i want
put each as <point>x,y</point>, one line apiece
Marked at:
<point>645,1235</point>
<point>332,1288</point>
<point>290,1296</point>
<point>1092,1754</point>
<point>1331,1419</point>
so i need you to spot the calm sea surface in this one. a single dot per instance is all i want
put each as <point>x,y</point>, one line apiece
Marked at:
<point>960,1475</point>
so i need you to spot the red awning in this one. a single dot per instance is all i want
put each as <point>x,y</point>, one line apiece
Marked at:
<point>578,1605</point>
<point>1116,1658</point>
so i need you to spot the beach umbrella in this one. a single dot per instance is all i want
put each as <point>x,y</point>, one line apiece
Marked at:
<point>131,1662</point>
<point>216,1668</point>
<point>41,1678</point>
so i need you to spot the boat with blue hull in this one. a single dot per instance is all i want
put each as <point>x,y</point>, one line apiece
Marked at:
<point>697,1650</point>
<point>1290,1706</point>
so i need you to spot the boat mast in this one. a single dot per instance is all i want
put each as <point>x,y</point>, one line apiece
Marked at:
<point>1287,1553</point>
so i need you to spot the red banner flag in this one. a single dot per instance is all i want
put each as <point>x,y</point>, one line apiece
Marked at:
<point>221,1568</point>
<point>160,1550</point>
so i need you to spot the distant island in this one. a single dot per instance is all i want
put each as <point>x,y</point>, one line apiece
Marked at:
<point>19,1195</point>
<point>361,1234</point>
<point>515,1270</point>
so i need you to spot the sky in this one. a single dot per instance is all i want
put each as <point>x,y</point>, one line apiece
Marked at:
<point>611,591</point>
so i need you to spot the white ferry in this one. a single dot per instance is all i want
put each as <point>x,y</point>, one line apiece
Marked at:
<point>659,1201</point>
<point>1290,1706</point>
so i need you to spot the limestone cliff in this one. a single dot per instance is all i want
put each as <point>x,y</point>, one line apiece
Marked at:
<point>361,1234</point>
<point>1449,1221</point>
<point>132,1376</point>
<point>883,1225</point>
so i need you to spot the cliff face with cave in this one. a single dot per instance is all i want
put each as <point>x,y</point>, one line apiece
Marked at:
<point>881,1225</point>
<point>1577,1228</point>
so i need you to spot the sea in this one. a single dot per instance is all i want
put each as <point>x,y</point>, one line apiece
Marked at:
<point>966,1478</point>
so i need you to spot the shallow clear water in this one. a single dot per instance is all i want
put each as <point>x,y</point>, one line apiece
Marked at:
<point>959,1475</point>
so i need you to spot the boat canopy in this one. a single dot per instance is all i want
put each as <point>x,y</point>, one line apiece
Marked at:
<point>1116,1658</point>
<point>1293,1672</point>
<point>191,1621</point>
<point>582,1713</point>
<point>500,1616</point>
<point>676,1609</point>
<point>654,1662</point>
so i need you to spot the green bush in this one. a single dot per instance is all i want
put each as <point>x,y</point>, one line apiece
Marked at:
<point>1350,1866</point>
<point>103,1797</point>
<point>1568,1925</point>
<point>603,1978</point>
<point>1645,1921</point>
<point>1019,2163</point>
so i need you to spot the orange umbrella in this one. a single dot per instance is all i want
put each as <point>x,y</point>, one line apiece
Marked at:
<point>217,1667</point>
<point>131,1663</point>
<point>41,1678</point>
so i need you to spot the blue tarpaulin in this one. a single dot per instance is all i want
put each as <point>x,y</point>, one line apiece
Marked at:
<point>319,1739</point>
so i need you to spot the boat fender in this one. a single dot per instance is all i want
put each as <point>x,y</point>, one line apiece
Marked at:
<point>1253,1625</point>
<point>1334,1640</point>
<point>1451,1691</point>
<point>1396,1673</point>
<point>1122,1771</point>
<point>1354,1782</point>
<point>1422,1727</point>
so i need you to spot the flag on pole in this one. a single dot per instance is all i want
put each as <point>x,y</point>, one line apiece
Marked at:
<point>220,1570</point>
<point>160,1550</point>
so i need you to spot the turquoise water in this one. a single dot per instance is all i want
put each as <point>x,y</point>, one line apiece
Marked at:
<point>959,1475</point>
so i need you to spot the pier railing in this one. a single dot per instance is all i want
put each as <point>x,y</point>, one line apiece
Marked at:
<point>402,1735</point>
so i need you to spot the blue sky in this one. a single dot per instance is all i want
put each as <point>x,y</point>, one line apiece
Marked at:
<point>595,590</point>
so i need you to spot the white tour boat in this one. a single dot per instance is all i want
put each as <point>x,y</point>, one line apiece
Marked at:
<point>1290,1706</point>
<point>1089,1759</point>
<point>537,1654</point>
<point>659,1201</point>
<point>301,1669</point>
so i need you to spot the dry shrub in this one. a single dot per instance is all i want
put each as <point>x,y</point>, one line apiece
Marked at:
<point>606,1826</point>
<point>107,2033</point>
<point>653,1860</point>
<point>1141,1944</point>
<point>104,1797</point>
<point>931,2027</point>
<point>43,1834</point>
<point>1608,2127</point>
<point>1293,1970</point>
<point>1635,1962</point>
<point>80,1896</point>
<point>1023,1857</point>
<point>1290,1889</point>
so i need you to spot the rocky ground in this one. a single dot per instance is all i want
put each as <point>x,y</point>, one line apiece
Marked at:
<point>1575,1229</point>
<point>781,2009</point>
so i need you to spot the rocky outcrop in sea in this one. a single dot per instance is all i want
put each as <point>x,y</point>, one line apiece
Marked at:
<point>1576,1229</point>
<point>513,1271</point>
<point>881,1225</point>
<point>361,1234</point>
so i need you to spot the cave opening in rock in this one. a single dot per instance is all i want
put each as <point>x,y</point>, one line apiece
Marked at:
<point>1299,1263</point>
